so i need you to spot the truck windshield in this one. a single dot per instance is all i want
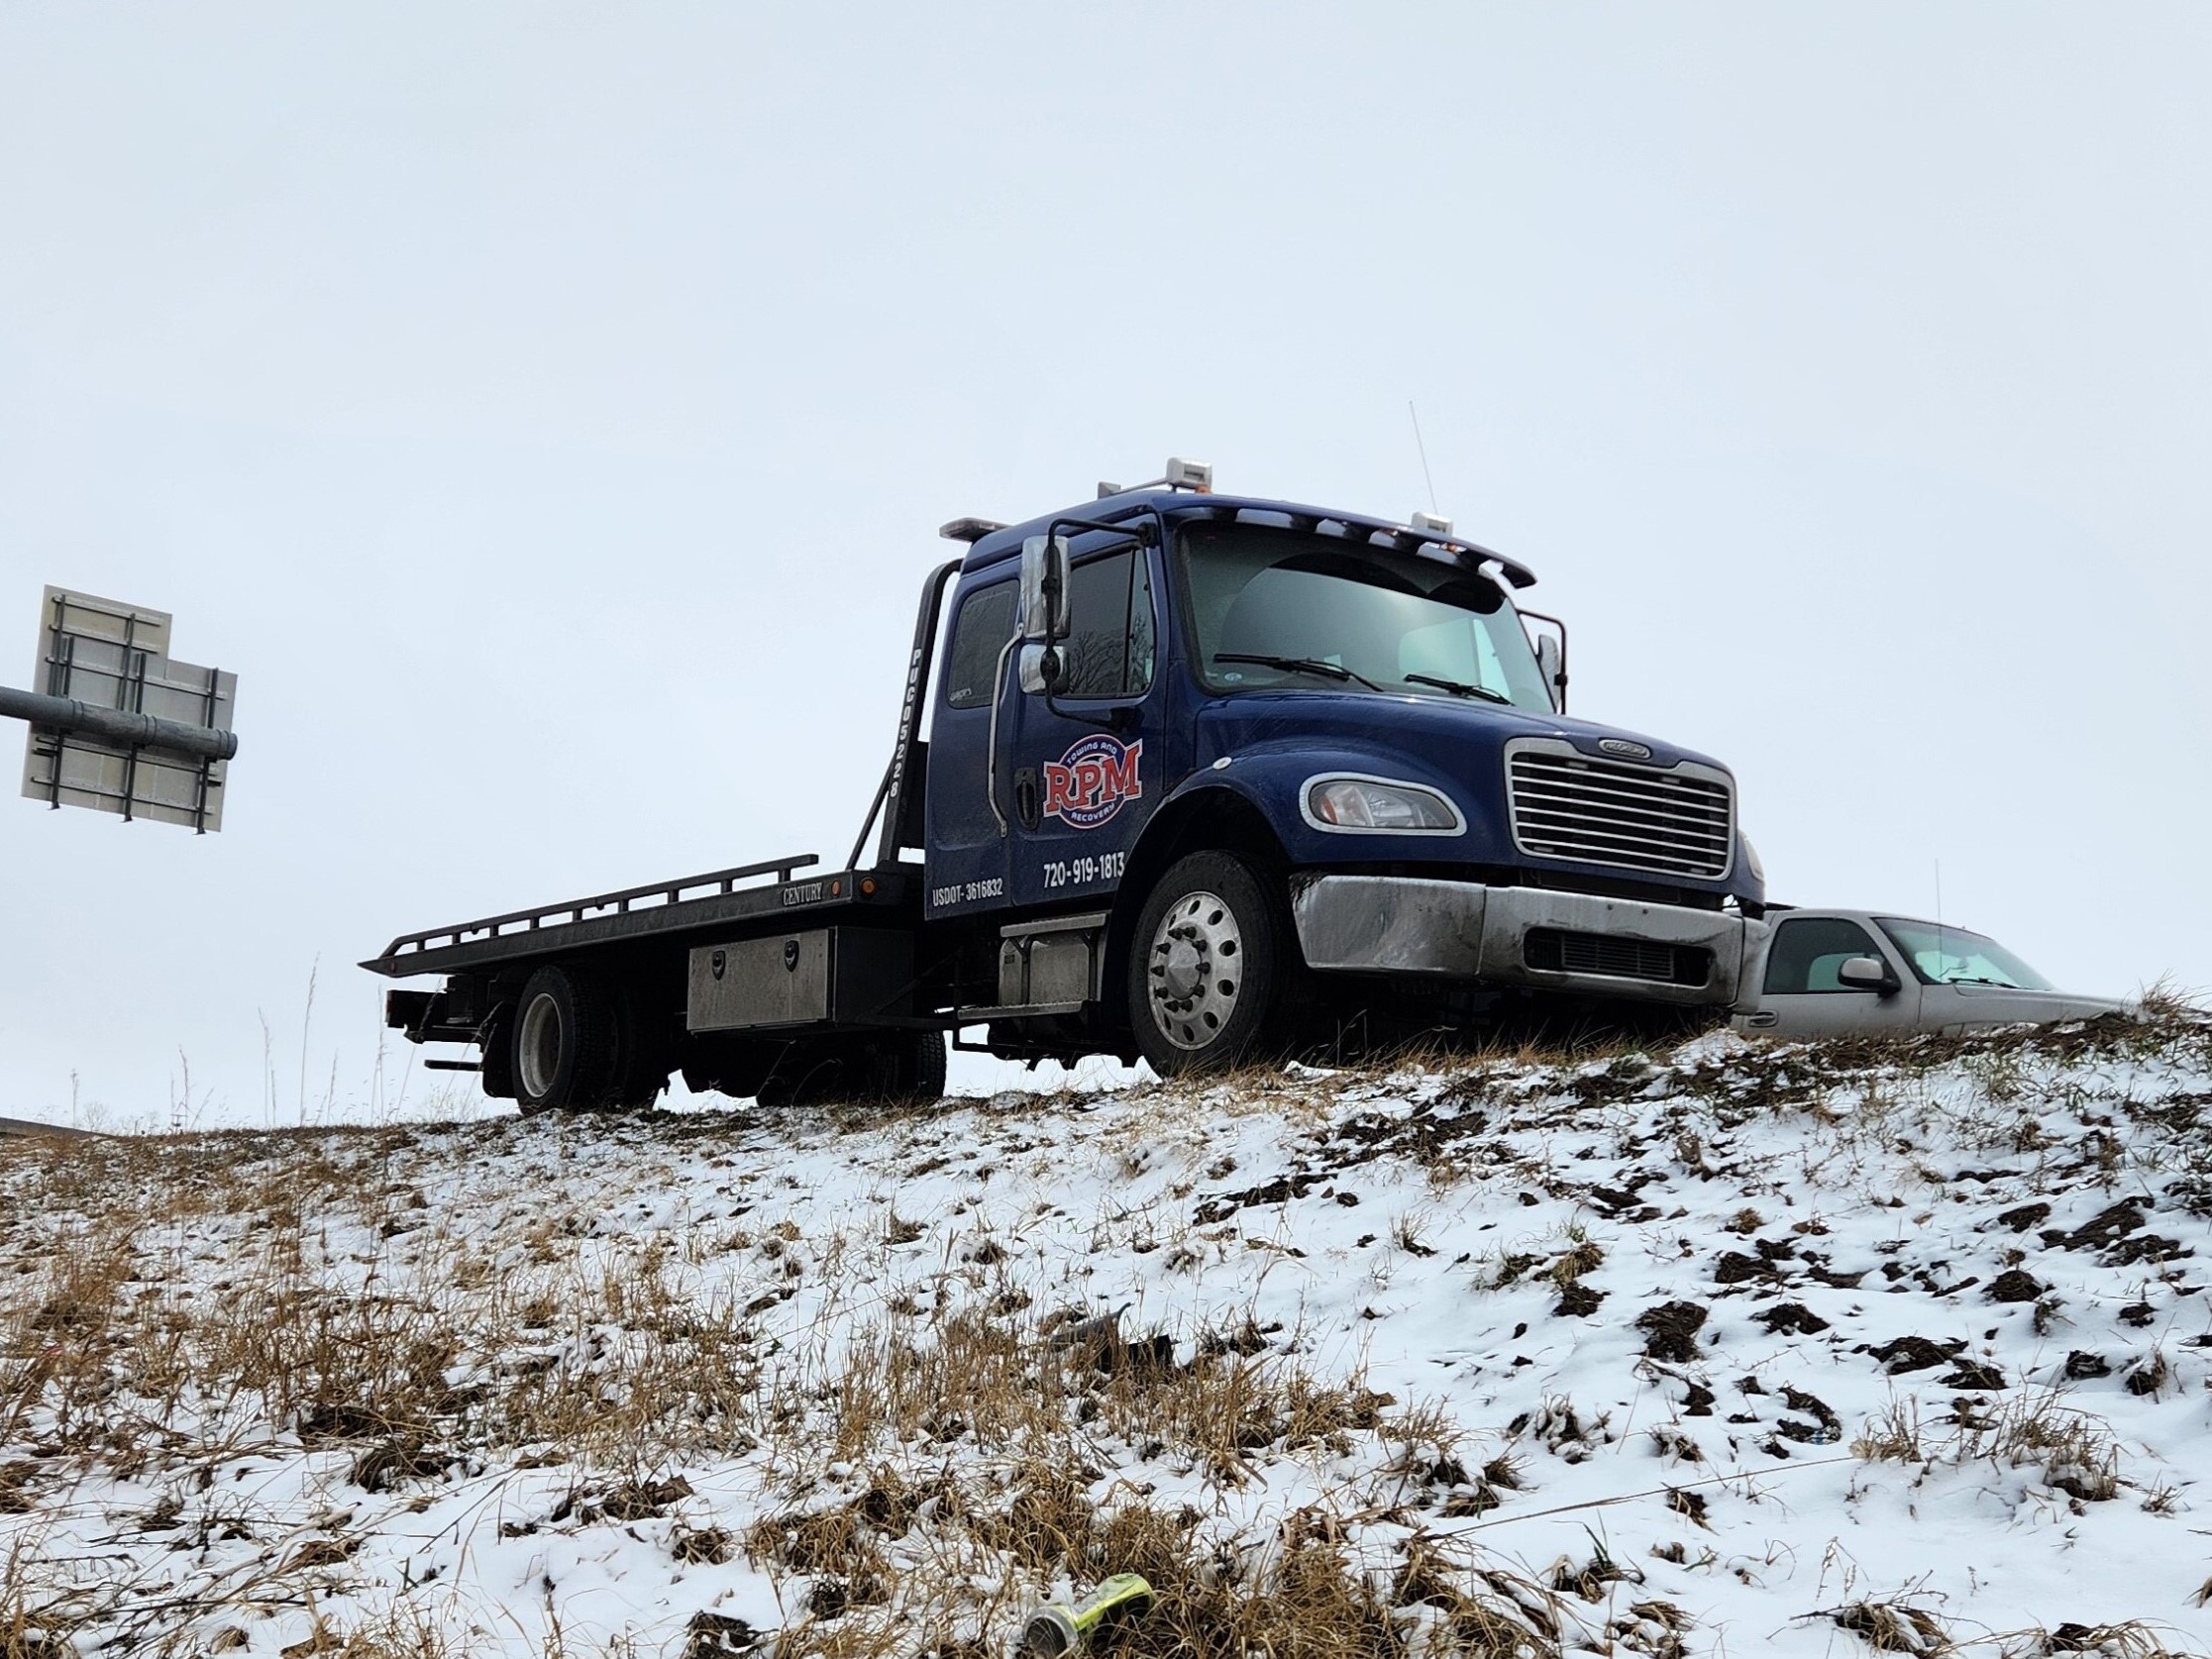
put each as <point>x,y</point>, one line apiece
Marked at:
<point>1950,955</point>
<point>1281,609</point>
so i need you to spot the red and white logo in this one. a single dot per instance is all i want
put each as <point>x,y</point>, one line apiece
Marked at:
<point>1086,787</point>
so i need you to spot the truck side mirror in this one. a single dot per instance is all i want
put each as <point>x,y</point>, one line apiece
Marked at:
<point>1866,973</point>
<point>1042,671</point>
<point>1551,662</point>
<point>1044,591</point>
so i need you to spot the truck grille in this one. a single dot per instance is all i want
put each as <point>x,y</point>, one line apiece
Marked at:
<point>1558,952</point>
<point>1676,821</point>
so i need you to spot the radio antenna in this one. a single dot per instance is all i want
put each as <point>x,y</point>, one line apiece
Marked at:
<point>1424,448</point>
<point>1942,942</point>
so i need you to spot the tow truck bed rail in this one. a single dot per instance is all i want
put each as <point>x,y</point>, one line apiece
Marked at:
<point>658,907</point>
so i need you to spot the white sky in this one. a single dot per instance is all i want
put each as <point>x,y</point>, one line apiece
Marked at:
<point>547,411</point>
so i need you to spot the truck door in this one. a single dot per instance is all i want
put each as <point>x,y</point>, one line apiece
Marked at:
<point>1803,997</point>
<point>966,856</point>
<point>1087,762</point>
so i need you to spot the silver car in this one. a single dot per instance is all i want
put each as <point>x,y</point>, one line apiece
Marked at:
<point>1834,972</point>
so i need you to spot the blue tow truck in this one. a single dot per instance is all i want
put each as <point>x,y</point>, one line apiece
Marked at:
<point>1194,778</point>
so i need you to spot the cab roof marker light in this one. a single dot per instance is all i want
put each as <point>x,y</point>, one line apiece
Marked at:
<point>1429,524</point>
<point>1195,475</point>
<point>970,530</point>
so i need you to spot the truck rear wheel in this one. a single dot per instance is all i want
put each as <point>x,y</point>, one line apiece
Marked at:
<point>914,1068</point>
<point>1206,966</point>
<point>565,1042</point>
<point>908,1067</point>
<point>643,1057</point>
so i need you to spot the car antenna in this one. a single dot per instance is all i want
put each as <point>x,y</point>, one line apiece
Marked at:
<point>1943,947</point>
<point>1424,448</point>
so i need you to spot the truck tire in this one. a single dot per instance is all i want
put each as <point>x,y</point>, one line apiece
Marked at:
<point>643,1057</point>
<point>805,1074</point>
<point>905,1068</point>
<point>565,1042</point>
<point>925,1068</point>
<point>1206,967</point>
<point>908,1070</point>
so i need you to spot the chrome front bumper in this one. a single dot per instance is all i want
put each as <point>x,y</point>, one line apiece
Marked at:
<point>1404,924</point>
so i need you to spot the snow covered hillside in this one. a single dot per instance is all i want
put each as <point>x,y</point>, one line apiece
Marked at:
<point>1734,1349</point>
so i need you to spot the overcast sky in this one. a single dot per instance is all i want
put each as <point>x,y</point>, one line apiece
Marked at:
<point>547,411</point>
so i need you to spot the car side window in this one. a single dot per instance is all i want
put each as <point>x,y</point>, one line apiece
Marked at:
<point>1109,647</point>
<point>978,633</point>
<point>1808,951</point>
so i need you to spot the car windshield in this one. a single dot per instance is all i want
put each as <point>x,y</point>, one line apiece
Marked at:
<point>1287,609</point>
<point>1950,955</point>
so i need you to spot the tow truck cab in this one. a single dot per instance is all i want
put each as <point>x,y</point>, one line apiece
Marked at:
<point>1355,710</point>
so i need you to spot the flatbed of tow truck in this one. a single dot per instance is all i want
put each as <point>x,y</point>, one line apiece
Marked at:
<point>658,910</point>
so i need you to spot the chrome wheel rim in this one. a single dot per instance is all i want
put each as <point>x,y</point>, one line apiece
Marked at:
<point>1194,970</point>
<point>538,1053</point>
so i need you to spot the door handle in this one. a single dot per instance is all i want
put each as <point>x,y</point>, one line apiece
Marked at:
<point>1025,796</point>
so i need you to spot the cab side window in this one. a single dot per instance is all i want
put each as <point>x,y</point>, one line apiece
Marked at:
<point>1807,952</point>
<point>1109,649</point>
<point>978,633</point>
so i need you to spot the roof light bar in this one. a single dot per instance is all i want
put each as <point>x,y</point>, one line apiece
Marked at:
<point>970,530</point>
<point>1429,524</point>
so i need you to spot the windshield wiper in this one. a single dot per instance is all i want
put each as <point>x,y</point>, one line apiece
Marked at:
<point>1458,687</point>
<point>1977,980</point>
<point>1298,665</point>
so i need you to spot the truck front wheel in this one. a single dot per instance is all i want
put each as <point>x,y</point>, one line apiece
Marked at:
<point>1206,967</point>
<point>565,1042</point>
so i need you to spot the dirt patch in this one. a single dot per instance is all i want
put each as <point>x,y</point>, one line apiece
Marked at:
<point>1579,1299</point>
<point>1790,1317</point>
<point>398,1459</point>
<point>1913,1353</point>
<point>2148,1376</point>
<point>1671,1329</point>
<point>629,1501</point>
<point>2014,1284</point>
<point>2101,1230</point>
<point>715,1635</point>
<point>2145,1247</point>
<point>1971,1374</point>
<point>1281,1190</point>
<point>1797,1400</point>
<point>1735,1268</point>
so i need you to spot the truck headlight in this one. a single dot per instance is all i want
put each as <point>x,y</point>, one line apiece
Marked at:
<point>1751,862</point>
<point>1372,805</point>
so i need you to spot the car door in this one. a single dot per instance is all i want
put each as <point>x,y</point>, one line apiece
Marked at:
<point>1802,994</point>
<point>966,855</point>
<point>1086,766</point>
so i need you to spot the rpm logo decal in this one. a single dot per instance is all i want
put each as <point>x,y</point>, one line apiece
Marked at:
<point>1086,787</point>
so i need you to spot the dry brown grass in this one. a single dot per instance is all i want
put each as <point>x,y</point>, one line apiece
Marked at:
<point>177,1306</point>
<point>2074,1452</point>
